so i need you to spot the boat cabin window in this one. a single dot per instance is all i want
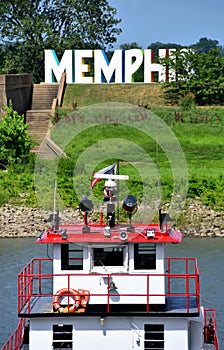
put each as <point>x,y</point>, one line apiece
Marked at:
<point>154,336</point>
<point>108,256</point>
<point>71,257</point>
<point>62,336</point>
<point>145,256</point>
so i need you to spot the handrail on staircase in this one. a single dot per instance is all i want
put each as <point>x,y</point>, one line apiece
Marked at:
<point>57,102</point>
<point>61,89</point>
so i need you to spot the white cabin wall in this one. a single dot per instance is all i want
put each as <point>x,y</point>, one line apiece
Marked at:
<point>126,333</point>
<point>196,326</point>
<point>56,258</point>
<point>129,254</point>
<point>86,260</point>
<point>176,334</point>
<point>40,336</point>
<point>160,257</point>
<point>98,284</point>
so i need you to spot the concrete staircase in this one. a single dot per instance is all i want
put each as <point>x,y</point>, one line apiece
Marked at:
<point>45,99</point>
<point>39,117</point>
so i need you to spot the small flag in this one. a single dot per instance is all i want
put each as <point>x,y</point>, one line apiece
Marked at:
<point>111,169</point>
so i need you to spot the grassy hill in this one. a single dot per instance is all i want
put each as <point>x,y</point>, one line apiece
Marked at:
<point>200,132</point>
<point>139,94</point>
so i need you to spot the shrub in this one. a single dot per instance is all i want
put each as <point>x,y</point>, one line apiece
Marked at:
<point>15,142</point>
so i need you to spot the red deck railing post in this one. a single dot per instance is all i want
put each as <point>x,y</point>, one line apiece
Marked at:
<point>29,288</point>
<point>197,287</point>
<point>19,293</point>
<point>168,268</point>
<point>68,291</point>
<point>24,287</point>
<point>108,293</point>
<point>147,305</point>
<point>101,217</point>
<point>39,276</point>
<point>187,284</point>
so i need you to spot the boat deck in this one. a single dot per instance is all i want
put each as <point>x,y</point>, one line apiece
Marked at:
<point>175,306</point>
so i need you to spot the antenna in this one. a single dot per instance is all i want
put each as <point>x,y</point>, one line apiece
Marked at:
<point>54,205</point>
<point>54,218</point>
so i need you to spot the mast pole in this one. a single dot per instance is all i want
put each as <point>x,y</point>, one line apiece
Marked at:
<point>118,189</point>
<point>54,205</point>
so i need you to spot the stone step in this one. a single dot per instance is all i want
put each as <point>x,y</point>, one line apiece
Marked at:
<point>43,95</point>
<point>42,89</point>
<point>42,111</point>
<point>38,121</point>
<point>32,121</point>
<point>40,131</point>
<point>39,117</point>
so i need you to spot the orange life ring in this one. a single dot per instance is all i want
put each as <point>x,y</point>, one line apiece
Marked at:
<point>72,293</point>
<point>84,298</point>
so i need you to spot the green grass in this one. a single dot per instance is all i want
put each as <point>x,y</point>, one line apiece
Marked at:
<point>200,132</point>
<point>203,146</point>
<point>201,142</point>
<point>89,94</point>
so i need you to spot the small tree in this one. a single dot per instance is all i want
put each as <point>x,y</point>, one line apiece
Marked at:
<point>197,73</point>
<point>15,142</point>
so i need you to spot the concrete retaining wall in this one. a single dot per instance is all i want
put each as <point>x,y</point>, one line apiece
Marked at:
<point>18,88</point>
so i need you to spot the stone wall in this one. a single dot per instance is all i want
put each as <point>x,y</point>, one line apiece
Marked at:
<point>196,220</point>
<point>18,88</point>
<point>27,222</point>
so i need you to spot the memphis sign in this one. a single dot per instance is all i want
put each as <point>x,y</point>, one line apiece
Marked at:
<point>119,69</point>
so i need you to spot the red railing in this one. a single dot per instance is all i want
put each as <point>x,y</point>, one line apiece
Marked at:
<point>15,341</point>
<point>32,282</point>
<point>190,273</point>
<point>31,273</point>
<point>210,334</point>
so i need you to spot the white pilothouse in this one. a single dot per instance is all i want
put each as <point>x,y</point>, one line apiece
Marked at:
<point>110,286</point>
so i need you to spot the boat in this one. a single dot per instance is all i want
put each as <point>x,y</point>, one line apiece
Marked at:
<point>109,285</point>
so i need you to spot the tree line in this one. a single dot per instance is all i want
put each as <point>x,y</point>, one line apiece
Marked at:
<point>27,28</point>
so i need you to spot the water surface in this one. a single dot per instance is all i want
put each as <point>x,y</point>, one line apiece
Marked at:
<point>17,252</point>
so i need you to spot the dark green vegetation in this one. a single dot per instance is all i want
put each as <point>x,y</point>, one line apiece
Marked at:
<point>16,159</point>
<point>15,142</point>
<point>27,28</point>
<point>199,76</point>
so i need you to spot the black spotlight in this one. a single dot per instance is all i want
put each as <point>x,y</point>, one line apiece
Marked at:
<point>130,203</point>
<point>86,205</point>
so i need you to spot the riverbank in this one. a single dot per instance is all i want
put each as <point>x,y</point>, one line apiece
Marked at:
<point>196,220</point>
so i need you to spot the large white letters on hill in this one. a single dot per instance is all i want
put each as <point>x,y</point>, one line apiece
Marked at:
<point>93,66</point>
